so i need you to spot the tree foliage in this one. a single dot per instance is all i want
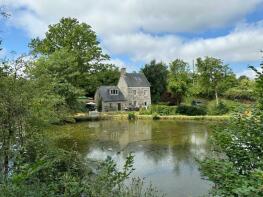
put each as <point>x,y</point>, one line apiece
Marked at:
<point>213,77</point>
<point>259,85</point>
<point>157,74</point>
<point>244,90</point>
<point>70,52</point>
<point>235,165</point>
<point>179,79</point>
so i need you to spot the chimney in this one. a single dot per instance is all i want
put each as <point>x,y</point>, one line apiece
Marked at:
<point>123,71</point>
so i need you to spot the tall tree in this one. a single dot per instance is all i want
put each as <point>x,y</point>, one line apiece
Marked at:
<point>212,74</point>
<point>179,80</point>
<point>157,74</point>
<point>77,42</point>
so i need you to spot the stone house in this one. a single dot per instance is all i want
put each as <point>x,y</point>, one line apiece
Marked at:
<point>132,92</point>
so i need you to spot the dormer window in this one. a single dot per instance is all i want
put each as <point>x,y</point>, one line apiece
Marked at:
<point>114,92</point>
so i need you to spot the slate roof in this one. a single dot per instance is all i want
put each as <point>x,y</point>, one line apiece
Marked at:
<point>104,92</point>
<point>136,80</point>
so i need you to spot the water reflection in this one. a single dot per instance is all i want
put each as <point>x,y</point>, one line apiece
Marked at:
<point>165,151</point>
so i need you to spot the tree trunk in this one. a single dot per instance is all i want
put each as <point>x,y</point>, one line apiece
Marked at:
<point>216,94</point>
<point>6,165</point>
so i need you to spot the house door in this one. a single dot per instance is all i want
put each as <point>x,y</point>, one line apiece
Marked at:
<point>119,106</point>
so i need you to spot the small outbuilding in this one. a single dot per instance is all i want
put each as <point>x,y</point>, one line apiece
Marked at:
<point>109,98</point>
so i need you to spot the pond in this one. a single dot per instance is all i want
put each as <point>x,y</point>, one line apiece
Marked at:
<point>164,151</point>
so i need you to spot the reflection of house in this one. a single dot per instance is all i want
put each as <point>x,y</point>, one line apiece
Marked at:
<point>122,133</point>
<point>132,91</point>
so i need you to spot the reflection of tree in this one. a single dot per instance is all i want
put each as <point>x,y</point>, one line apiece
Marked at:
<point>155,152</point>
<point>190,148</point>
<point>181,155</point>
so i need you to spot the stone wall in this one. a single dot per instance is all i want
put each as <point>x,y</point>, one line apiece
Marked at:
<point>139,97</point>
<point>113,106</point>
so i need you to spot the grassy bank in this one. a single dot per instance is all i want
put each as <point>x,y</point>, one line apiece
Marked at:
<point>124,116</point>
<point>184,117</point>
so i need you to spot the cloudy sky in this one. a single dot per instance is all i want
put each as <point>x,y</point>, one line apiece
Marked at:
<point>133,32</point>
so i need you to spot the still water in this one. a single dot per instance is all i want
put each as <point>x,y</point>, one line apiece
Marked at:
<point>164,151</point>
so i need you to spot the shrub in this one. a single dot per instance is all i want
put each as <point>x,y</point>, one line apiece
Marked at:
<point>191,110</point>
<point>131,116</point>
<point>159,109</point>
<point>239,94</point>
<point>219,109</point>
<point>235,163</point>
<point>144,111</point>
<point>225,106</point>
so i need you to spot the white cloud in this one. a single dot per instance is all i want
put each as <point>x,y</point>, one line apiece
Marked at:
<point>118,16</point>
<point>148,29</point>
<point>242,44</point>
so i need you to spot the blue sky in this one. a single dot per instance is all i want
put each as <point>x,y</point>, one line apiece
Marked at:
<point>133,32</point>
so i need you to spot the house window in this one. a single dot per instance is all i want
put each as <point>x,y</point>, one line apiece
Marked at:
<point>145,103</point>
<point>134,92</point>
<point>114,92</point>
<point>145,92</point>
<point>134,103</point>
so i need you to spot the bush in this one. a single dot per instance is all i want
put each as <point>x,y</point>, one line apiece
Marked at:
<point>131,116</point>
<point>235,163</point>
<point>144,111</point>
<point>162,110</point>
<point>191,110</point>
<point>219,109</point>
<point>225,106</point>
<point>239,94</point>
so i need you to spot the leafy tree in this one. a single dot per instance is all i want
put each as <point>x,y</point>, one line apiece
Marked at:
<point>73,36</point>
<point>243,77</point>
<point>107,76</point>
<point>213,77</point>
<point>75,55</point>
<point>55,70</point>
<point>157,74</point>
<point>243,91</point>
<point>179,80</point>
<point>20,104</point>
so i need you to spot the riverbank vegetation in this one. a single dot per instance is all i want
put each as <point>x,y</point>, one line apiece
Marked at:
<point>207,79</point>
<point>235,164</point>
